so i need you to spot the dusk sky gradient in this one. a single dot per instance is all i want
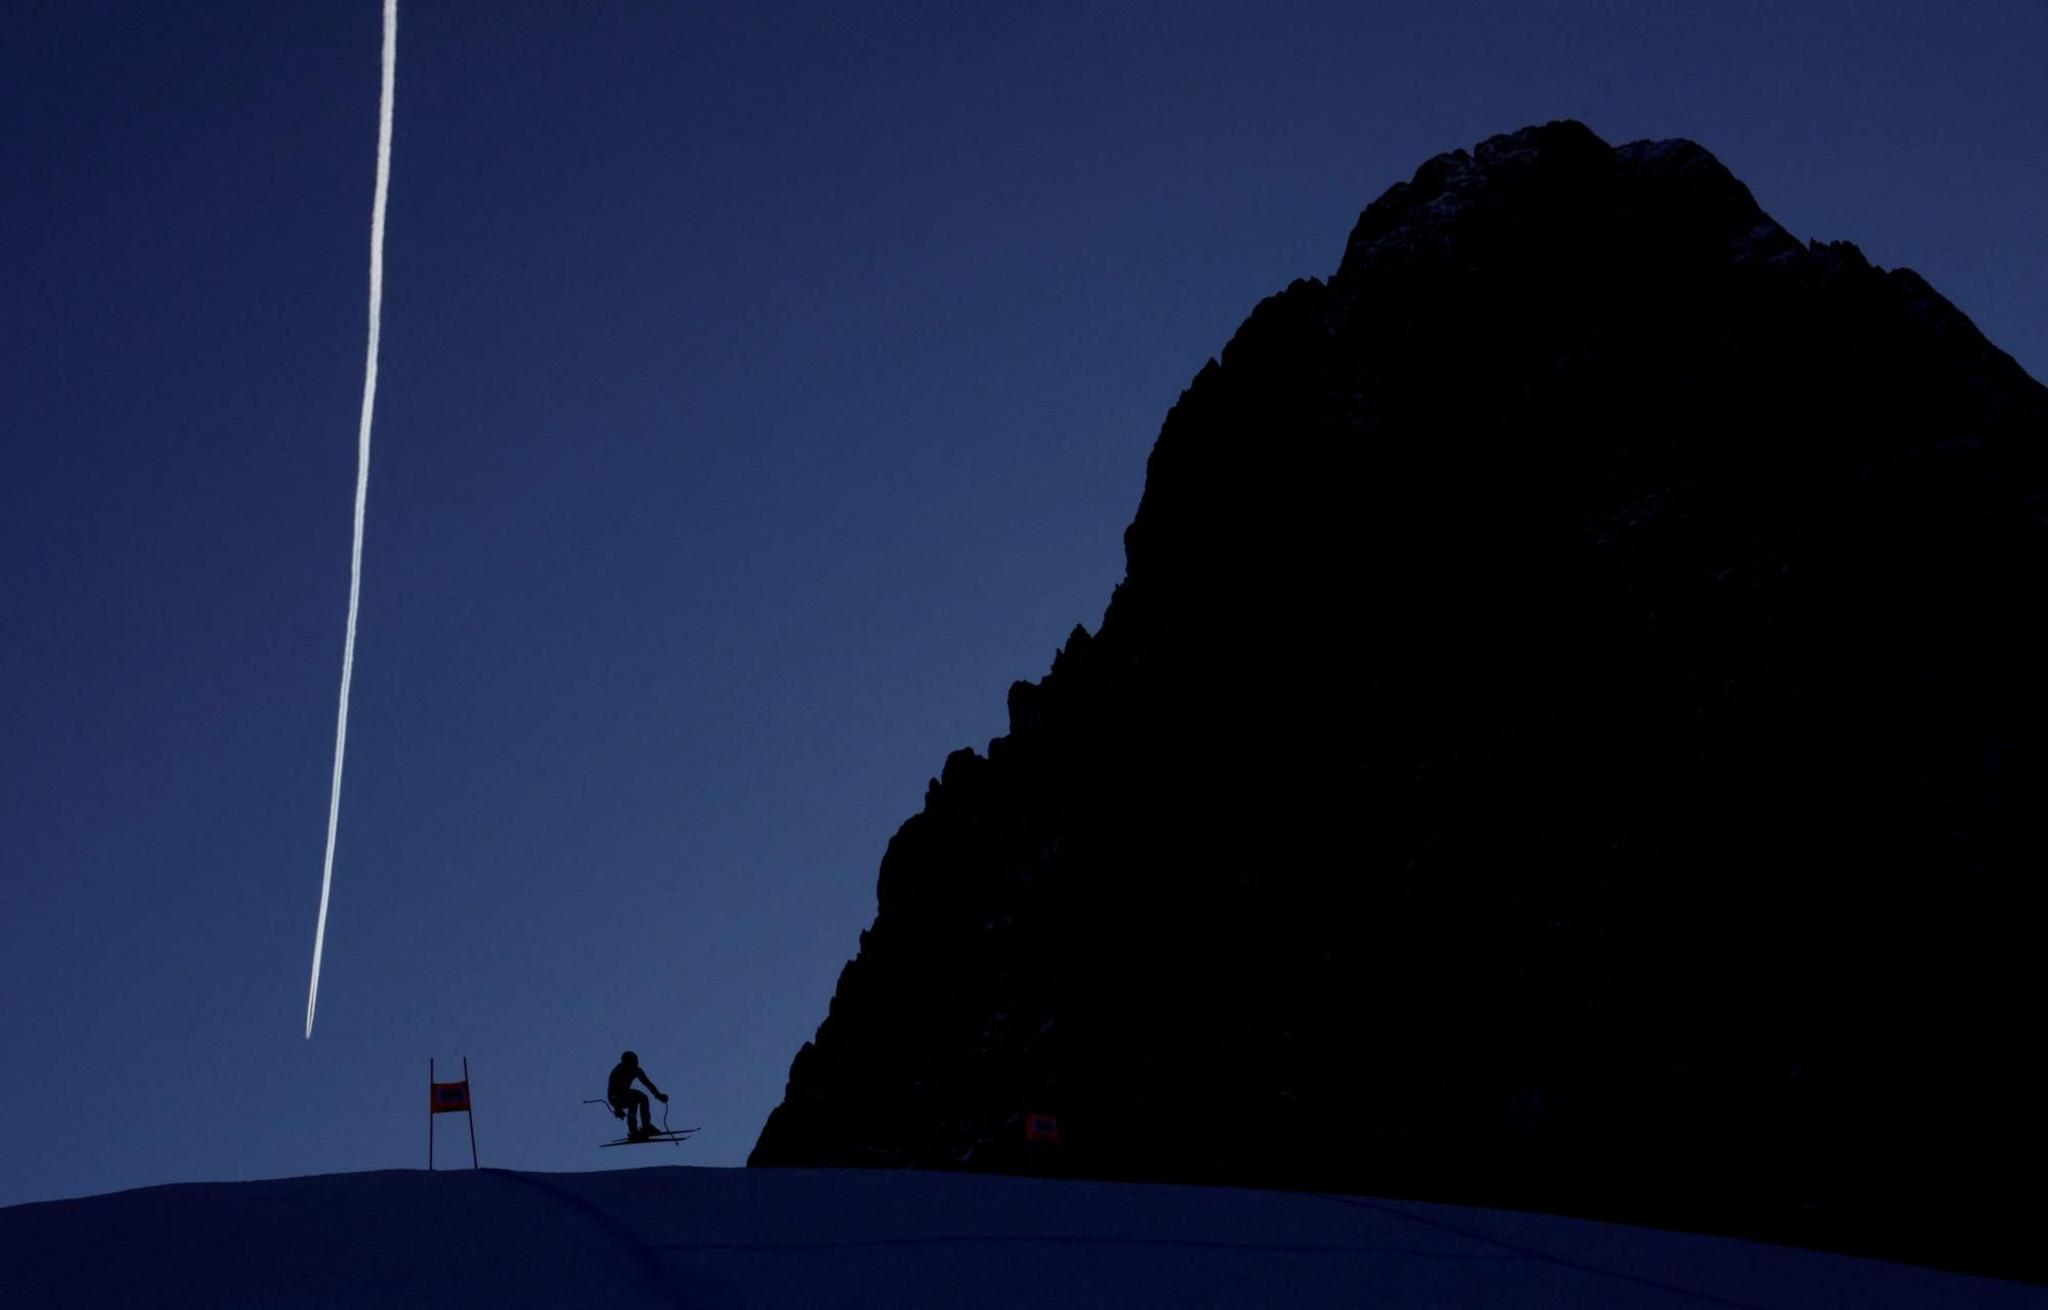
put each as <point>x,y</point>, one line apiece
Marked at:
<point>764,388</point>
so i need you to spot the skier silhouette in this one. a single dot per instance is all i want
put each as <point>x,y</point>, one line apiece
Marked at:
<point>625,1100</point>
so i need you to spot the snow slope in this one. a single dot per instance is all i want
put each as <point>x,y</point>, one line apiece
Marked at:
<point>682,1237</point>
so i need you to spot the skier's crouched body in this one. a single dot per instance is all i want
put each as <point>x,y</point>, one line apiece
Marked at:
<point>626,1102</point>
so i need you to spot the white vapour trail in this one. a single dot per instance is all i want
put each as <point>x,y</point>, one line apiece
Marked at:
<point>355,564</point>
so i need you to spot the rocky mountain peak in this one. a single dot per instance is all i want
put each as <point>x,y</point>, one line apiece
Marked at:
<point>1572,735</point>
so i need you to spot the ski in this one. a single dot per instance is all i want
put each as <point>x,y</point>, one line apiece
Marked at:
<point>678,1135</point>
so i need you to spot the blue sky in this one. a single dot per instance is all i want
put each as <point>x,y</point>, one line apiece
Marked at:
<point>764,389</point>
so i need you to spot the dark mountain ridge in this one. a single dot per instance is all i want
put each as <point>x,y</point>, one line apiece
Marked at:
<point>1573,734</point>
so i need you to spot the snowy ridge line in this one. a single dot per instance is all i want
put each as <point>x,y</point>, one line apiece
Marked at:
<point>746,1239</point>
<point>1083,1239</point>
<point>1545,1257</point>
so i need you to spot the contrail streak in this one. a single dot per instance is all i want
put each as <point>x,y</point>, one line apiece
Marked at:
<point>355,564</point>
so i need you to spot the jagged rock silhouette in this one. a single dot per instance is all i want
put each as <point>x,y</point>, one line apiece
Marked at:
<point>1573,734</point>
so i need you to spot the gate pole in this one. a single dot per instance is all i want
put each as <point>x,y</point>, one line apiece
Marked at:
<point>470,1093</point>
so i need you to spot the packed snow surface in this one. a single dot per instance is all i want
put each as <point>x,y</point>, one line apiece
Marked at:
<point>680,1237</point>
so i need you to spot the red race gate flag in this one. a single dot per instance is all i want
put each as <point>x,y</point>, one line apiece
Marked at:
<point>446,1098</point>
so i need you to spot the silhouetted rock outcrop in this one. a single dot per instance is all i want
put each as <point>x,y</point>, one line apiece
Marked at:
<point>1573,734</point>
